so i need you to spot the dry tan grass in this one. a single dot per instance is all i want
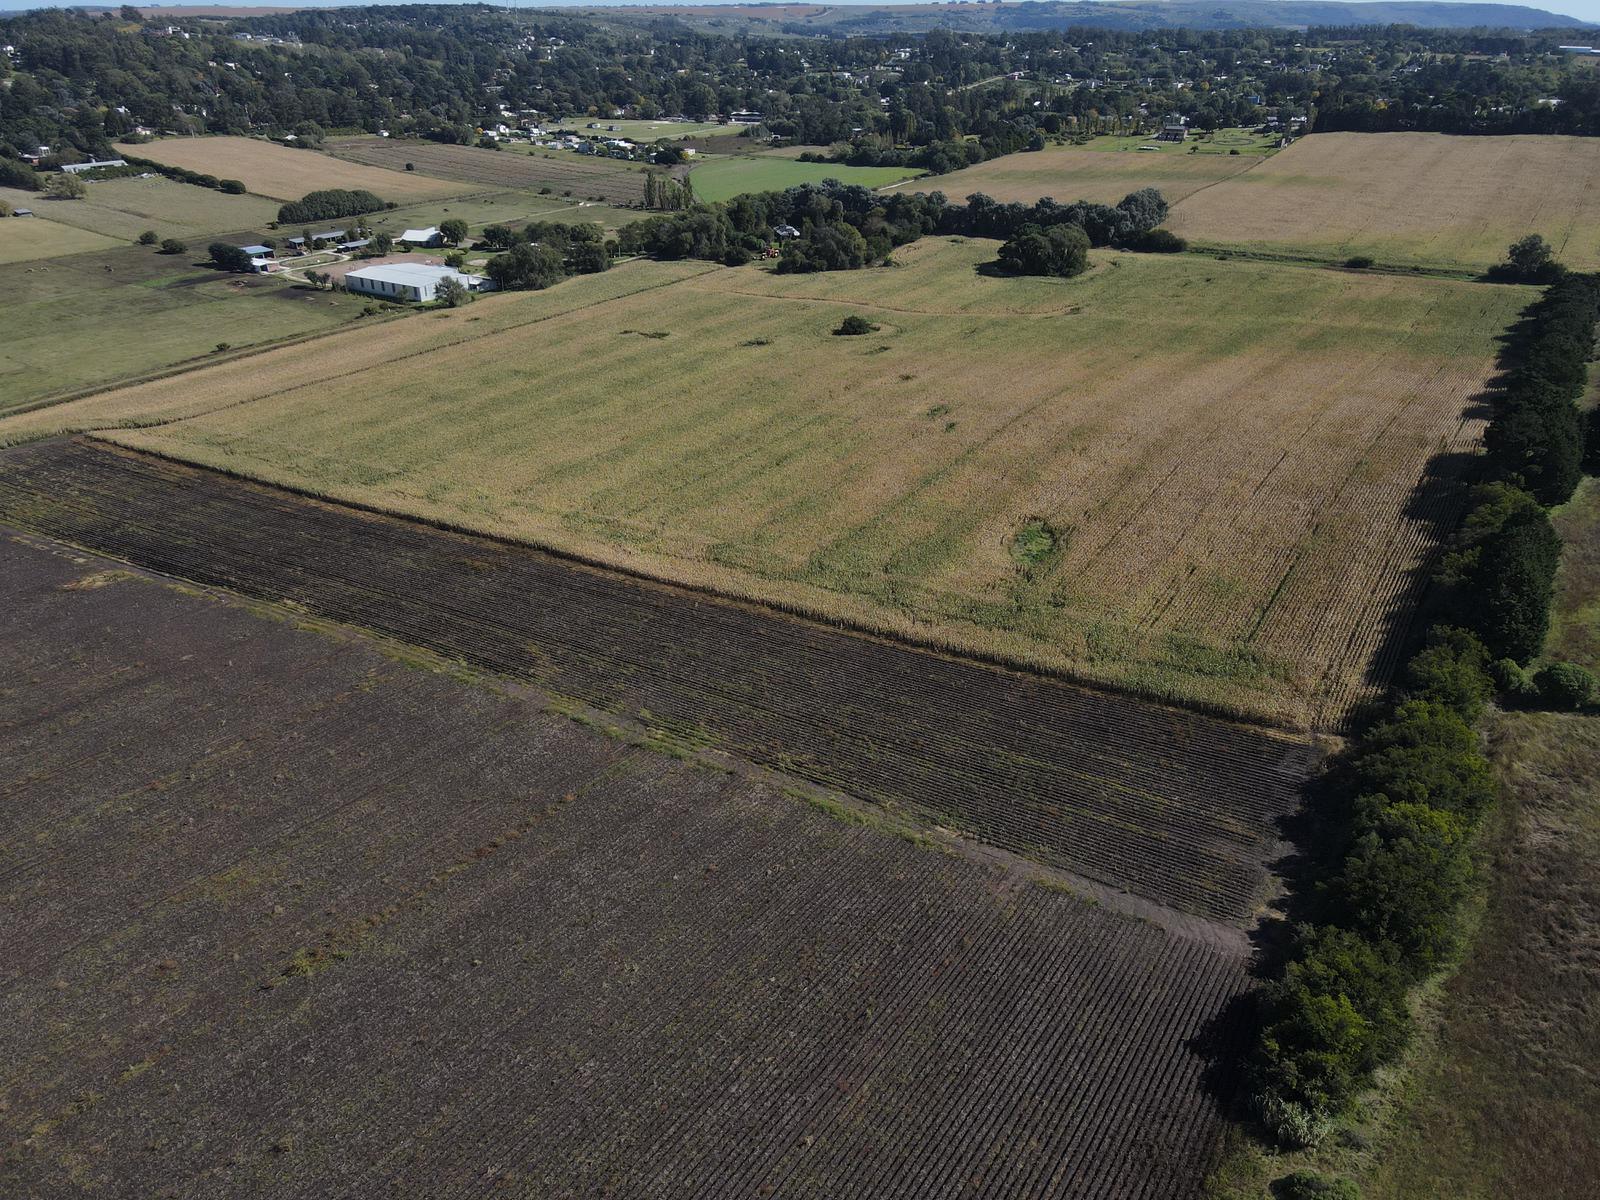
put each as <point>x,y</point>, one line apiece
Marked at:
<point>269,169</point>
<point>1230,453</point>
<point>1068,173</point>
<point>1423,198</point>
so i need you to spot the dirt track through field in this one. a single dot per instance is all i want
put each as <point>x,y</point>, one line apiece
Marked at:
<point>1173,806</point>
<point>287,918</point>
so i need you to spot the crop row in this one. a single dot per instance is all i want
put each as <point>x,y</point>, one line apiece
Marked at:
<point>1172,805</point>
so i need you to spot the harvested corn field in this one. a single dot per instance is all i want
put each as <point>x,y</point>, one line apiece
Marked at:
<point>1236,469</point>
<point>287,918</point>
<point>1431,199</point>
<point>563,172</point>
<point>268,169</point>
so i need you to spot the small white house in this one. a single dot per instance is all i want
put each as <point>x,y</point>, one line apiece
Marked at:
<point>421,237</point>
<point>415,283</point>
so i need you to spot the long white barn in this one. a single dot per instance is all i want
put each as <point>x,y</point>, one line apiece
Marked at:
<point>414,282</point>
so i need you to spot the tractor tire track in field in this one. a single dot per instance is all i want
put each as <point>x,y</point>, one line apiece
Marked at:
<point>1173,806</point>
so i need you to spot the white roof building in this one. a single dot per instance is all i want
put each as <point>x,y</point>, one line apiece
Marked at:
<point>422,237</point>
<point>74,168</point>
<point>413,282</point>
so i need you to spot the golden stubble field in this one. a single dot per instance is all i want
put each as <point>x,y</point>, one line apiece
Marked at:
<point>1198,480</point>
<point>268,169</point>
<point>1410,198</point>
<point>1068,173</point>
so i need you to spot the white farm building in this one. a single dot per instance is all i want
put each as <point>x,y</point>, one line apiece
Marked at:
<point>414,282</point>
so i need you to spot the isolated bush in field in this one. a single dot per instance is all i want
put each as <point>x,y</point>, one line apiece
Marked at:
<point>173,246</point>
<point>854,326</point>
<point>1313,1185</point>
<point>1359,262</point>
<point>148,238</point>
<point>1290,1124</point>
<point>1159,241</point>
<point>1452,670</point>
<point>231,186</point>
<point>1566,685</point>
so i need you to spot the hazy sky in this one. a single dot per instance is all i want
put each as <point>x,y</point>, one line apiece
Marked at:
<point>1582,10</point>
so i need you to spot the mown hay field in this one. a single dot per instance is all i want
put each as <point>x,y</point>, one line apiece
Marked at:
<point>268,169</point>
<point>1067,173</point>
<point>1205,481</point>
<point>563,172</point>
<point>25,239</point>
<point>125,208</point>
<point>1408,198</point>
<point>724,177</point>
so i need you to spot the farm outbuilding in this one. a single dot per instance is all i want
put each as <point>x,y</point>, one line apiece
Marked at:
<point>421,237</point>
<point>412,282</point>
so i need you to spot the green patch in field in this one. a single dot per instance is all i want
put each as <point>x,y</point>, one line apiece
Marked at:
<point>1034,543</point>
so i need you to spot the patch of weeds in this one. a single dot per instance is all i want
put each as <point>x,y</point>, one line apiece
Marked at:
<point>949,426</point>
<point>854,326</point>
<point>938,410</point>
<point>648,333</point>
<point>757,342</point>
<point>1035,542</point>
<point>96,579</point>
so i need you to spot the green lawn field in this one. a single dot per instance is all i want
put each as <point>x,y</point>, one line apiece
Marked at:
<point>91,319</point>
<point>1177,489</point>
<point>720,178</point>
<point>125,208</point>
<point>30,239</point>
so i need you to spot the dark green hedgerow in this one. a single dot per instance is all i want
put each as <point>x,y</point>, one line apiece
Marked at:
<point>1398,812</point>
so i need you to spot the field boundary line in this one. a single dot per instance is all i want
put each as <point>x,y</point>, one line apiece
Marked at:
<point>192,365</point>
<point>839,805</point>
<point>1280,729</point>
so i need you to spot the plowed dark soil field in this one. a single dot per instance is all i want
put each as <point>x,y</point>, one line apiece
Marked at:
<point>284,917</point>
<point>1175,806</point>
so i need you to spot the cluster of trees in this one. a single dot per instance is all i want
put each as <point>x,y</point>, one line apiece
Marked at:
<point>840,226</point>
<point>1125,224</point>
<point>1398,814</point>
<point>662,193</point>
<point>228,256</point>
<point>330,204</point>
<point>844,226</point>
<point>544,253</point>
<point>1039,250</point>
